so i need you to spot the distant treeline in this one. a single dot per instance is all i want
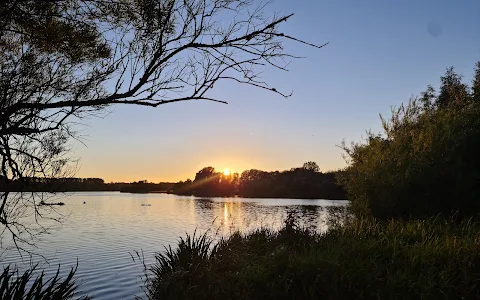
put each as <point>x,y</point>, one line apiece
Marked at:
<point>306,182</point>
<point>80,184</point>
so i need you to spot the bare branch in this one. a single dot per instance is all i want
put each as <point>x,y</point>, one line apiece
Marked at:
<point>66,60</point>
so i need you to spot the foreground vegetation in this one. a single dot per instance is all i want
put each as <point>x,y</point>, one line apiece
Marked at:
<point>26,286</point>
<point>431,259</point>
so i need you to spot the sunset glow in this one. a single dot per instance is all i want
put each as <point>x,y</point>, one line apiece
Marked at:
<point>226,172</point>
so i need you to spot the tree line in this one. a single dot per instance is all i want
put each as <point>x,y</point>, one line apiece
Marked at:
<point>36,184</point>
<point>306,182</point>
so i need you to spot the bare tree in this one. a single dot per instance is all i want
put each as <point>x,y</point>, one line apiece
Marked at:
<point>66,60</point>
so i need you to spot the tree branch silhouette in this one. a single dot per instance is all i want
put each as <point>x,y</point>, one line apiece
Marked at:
<point>66,60</point>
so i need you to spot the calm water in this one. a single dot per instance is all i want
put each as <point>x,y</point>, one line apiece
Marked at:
<point>103,233</point>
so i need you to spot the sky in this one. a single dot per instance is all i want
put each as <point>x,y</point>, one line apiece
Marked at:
<point>380,54</point>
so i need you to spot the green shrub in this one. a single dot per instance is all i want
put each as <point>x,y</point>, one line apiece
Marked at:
<point>426,162</point>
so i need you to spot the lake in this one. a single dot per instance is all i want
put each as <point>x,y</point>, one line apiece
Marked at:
<point>103,233</point>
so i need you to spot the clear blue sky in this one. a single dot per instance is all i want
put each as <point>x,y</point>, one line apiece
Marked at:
<point>380,54</point>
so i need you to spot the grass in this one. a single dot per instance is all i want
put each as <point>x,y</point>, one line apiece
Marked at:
<point>16,286</point>
<point>365,259</point>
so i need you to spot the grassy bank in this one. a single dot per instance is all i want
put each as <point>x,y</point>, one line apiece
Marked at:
<point>433,259</point>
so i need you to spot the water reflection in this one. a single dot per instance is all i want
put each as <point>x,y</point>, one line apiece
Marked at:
<point>103,232</point>
<point>226,215</point>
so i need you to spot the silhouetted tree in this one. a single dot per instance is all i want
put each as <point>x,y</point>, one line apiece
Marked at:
<point>428,98</point>
<point>452,90</point>
<point>227,185</point>
<point>64,60</point>
<point>205,174</point>
<point>311,166</point>
<point>206,182</point>
<point>255,183</point>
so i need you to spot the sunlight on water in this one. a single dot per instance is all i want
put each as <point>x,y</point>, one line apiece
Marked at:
<point>104,233</point>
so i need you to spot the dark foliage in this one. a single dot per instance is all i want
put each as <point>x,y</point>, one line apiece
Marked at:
<point>23,287</point>
<point>81,184</point>
<point>365,259</point>
<point>295,183</point>
<point>141,187</point>
<point>426,163</point>
<point>306,182</point>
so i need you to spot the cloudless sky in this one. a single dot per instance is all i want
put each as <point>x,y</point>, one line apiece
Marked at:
<point>380,54</point>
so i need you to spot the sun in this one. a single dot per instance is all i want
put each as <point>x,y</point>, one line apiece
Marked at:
<point>226,172</point>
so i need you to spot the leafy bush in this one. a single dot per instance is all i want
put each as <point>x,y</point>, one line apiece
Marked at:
<point>426,162</point>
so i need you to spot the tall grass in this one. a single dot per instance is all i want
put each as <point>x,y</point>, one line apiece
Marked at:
<point>16,286</point>
<point>364,259</point>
